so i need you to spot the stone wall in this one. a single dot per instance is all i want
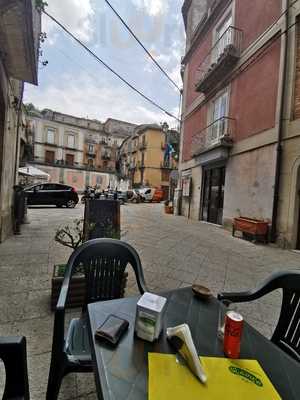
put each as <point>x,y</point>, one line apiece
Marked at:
<point>249,185</point>
<point>8,149</point>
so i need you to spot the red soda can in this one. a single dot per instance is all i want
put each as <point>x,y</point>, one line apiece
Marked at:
<point>233,334</point>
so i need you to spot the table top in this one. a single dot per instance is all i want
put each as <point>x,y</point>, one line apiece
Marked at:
<point>122,372</point>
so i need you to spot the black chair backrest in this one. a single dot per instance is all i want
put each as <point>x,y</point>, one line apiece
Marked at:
<point>104,262</point>
<point>287,331</point>
<point>13,354</point>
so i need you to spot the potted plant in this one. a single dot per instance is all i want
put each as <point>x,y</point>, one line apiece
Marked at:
<point>72,236</point>
<point>252,228</point>
<point>169,207</point>
<point>69,236</point>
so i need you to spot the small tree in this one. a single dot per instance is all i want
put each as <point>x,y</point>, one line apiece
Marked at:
<point>72,235</point>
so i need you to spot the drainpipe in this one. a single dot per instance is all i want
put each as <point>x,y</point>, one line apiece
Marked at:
<point>274,228</point>
<point>18,134</point>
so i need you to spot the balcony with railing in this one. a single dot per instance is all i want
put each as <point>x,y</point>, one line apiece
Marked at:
<point>220,60</point>
<point>218,134</point>
<point>143,145</point>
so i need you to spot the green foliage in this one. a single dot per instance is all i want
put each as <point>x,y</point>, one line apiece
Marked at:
<point>40,5</point>
<point>30,107</point>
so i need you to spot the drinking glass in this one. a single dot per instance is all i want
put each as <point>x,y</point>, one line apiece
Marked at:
<point>223,309</point>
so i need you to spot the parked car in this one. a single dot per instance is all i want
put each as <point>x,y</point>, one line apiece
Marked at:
<point>134,196</point>
<point>52,194</point>
<point>151,194</point>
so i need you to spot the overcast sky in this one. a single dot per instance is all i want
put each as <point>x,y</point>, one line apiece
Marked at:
<point>74,83</point>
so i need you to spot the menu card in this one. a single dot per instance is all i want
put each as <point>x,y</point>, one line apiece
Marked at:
<point>226,379</point>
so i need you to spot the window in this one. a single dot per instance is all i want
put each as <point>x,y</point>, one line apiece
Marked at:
<point>49,157</point>
<point>219,111</point>
<point>50,135</point>
<point>71,141</point>
<point>91,149</point>
<point>223,37</point>
<point>90,162</point>
<point>50,186</point>
<point>69,159</point>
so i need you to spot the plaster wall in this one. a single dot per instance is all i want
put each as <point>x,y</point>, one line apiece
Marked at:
<point>8,143</point>
<point>289,204</point>
<point>249,185</point>
<point>76,178</point>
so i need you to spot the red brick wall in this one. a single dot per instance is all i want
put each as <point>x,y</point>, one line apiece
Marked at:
<point>254,17</point>
<point>196,59</point>
<point>194,124</point>
<point>253,95</point>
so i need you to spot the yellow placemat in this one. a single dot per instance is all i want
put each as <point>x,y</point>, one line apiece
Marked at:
<point>226,379</point>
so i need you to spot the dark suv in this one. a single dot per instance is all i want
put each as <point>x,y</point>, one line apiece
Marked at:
<point>52,194</point>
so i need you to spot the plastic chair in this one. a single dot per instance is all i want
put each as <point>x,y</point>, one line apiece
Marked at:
<point>287,331</point>
<point>104,262</point>
<point>13,355</point>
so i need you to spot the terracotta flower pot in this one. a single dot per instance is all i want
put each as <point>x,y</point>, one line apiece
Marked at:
<point>169,209</point>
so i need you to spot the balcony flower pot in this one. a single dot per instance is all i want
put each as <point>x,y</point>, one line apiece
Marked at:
<point>251,228</point>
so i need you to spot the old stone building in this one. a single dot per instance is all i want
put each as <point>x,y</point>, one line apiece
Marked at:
<point>76,151</point>
<point>240,148</point>
<point>20,27</point>
<point>148,157</point>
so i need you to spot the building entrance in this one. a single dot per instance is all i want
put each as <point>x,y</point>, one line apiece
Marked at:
<point>213,195</point>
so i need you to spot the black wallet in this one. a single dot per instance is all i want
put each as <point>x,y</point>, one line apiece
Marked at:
<point>112,329</point>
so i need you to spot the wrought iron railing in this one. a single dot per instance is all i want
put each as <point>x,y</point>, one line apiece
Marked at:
<point>229,43</point>
<point>221,130</point>
<point>142,145</point>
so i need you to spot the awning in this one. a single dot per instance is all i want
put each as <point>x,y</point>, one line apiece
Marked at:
<point>33,172</point>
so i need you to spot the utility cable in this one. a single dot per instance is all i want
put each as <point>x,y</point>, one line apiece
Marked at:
<point>142,45</point>
<point>108,67</point>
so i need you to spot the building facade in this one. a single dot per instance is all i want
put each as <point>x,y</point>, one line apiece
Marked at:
<point>76,151</point>
<point>240,131</point>
<point>148,157</point>
<point>20,28</point>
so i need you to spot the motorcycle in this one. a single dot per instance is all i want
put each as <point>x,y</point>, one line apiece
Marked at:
<point>88,194</point>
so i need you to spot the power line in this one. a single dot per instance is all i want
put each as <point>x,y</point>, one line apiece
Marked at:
<point>108,67</point>
<point>142,45</point>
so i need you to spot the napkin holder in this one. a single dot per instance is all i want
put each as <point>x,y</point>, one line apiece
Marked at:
<point>180,337</point>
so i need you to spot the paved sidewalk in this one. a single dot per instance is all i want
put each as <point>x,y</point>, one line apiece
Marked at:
<point>174,252</point>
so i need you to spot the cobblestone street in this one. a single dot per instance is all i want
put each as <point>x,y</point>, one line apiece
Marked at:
<point>174,252</point>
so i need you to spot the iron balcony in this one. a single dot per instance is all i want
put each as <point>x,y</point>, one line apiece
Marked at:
<point>220,60</point>
<point>218,133</point>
